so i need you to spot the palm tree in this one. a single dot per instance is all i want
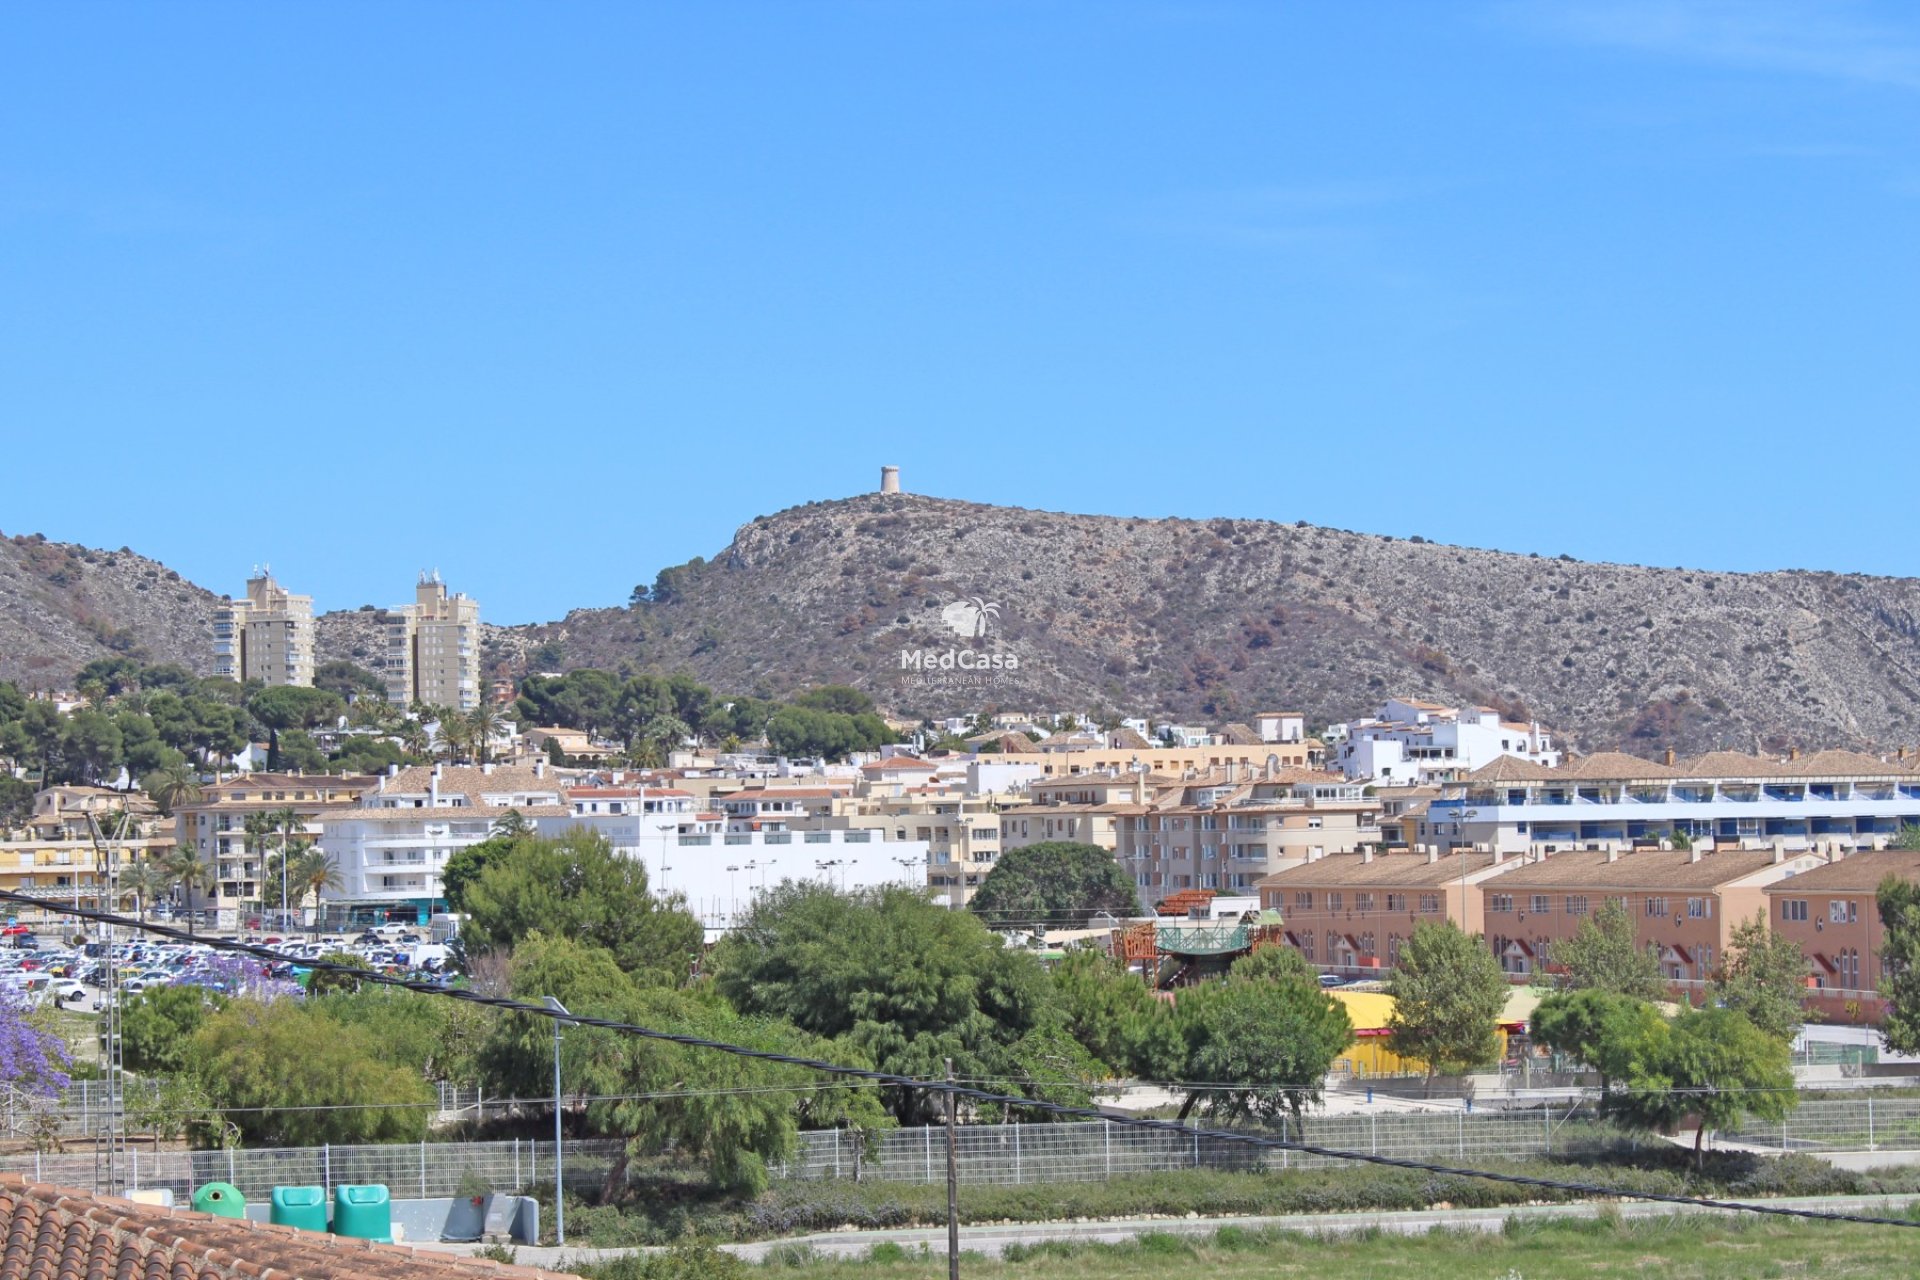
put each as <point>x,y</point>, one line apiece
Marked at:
<point>483,724</point>
<point>143,882</point>
<point>170,785</point>
<point>314,871</point>
<point>414,739</point>
<point>184,869</point>
<point>288,830</point>
<point>666,732</point>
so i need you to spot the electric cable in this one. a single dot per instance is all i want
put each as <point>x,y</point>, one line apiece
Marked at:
<point>969,1092</point>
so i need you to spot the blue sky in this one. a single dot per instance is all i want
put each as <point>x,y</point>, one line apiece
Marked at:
<point>550,296</point>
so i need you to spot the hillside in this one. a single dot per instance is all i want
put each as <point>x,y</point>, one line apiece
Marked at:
<point>1206,619</point>
<point>1218,619</point>
<point>62,606</point>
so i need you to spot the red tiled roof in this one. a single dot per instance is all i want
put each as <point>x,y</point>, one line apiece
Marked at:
<point>56,1233</point>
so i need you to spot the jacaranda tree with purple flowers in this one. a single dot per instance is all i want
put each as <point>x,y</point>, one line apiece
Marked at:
<point>32,1057</point>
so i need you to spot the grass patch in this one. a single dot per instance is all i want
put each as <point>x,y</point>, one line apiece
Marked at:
<point>661,1211</point>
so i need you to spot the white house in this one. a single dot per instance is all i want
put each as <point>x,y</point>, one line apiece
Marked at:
<point>1412,743</point>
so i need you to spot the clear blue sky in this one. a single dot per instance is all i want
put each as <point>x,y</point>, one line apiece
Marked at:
<point>552,295</point>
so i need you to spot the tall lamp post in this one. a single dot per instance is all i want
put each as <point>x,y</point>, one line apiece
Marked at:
<point>559,1157</point>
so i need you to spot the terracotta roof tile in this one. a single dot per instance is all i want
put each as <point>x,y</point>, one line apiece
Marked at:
<point>1616,765</point>
<point>56,1233</point>
<point>1408,870</point>
<point>1659,870</point>
<point>1857,872</point>
<point>1514,769</point>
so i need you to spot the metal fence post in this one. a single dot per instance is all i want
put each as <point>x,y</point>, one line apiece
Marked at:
<point>926,1131</point>
<point>134,1185</point>
<point>517,1182</point>
<point>326,1167</point>
<point>37,1175</point>
<point>1373,1131</point>
<point>1870,1143</point>
<point>836,1153</point>
<point>1463,1135</point>
<point>1196,1143</point>
<point>230,1174</point>
<point>423,1169</point>
<point>1016,1153</point>
<point>1106,1143</point>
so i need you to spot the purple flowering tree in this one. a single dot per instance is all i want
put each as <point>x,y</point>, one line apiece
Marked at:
<point>33,1059</point>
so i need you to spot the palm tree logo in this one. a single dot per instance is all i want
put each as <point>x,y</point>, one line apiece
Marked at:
<point>970,618</point>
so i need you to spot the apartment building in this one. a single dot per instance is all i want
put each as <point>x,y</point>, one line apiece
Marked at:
<point>1831,912</point>
<point>433,648</point>
<point>215,828</point>
<point>1685,903</point>
<point>1413,743</point>
<point>1058,759</point>
<point>53,854</point>
<point>266,637</point>
<point>1352,912</point>
<point>1832,799</point>
<point>392,845</point>
<point>718,861</point>
<point>1229,829</point>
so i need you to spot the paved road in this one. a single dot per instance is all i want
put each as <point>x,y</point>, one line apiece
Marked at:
<point>991,1240</point>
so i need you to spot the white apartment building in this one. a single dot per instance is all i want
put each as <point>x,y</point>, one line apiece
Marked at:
<point>266,637</point>
<point>719,862</point>
<point>1410,743</point>
<point>1835,801</point>
<point>433,648</point>
<point>391,849</point>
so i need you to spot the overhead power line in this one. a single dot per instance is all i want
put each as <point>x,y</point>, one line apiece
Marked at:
<point>956,1089</point>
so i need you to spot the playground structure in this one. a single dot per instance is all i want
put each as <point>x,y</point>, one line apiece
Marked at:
<point>1191,943</point>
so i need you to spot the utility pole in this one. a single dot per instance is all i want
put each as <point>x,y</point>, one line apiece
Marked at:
<point>953,1182</point>
<point>559,1157</point>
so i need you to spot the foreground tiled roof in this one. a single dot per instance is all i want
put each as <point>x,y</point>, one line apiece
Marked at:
<point>1655,869</point>
<point>57,1233</point>
<point>1514,769</point>
<point>1404,870</point>
<point>1855,873</point>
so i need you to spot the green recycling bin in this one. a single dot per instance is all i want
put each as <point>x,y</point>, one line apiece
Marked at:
<point>364,1213</point>
<point>221,1199</point>
<point>303,1207</point>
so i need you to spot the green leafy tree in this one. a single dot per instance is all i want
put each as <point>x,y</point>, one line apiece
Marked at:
<point>439,1039</point>
<point>838,698</point>
<point>1270,1029</point>
<point>1055,884</point>
<point>1764,976</point>
<point>193,877</point>
<point>285,1074</point>
<point>287,707</point>
<point>910,983</point>
<point>736,1114</point>
<point>1899,902</point>
<point>349,681</point>
<point>1593,1025</point>
<point>1447,992</point>
<point>1114,1014</point>
<point>1907,838</point>
<point>1604,955</point>
<point>90,748</point>
<point>575,886</point>
<point>1711,1064</point>
<point>173,785</point>
<point>157,1026</point>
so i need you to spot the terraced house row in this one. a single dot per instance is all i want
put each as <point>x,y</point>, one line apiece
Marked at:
<point>1523,854</point>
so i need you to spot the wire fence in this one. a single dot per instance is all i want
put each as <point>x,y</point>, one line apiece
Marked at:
<point>1092,1152</point>
<point>1836,1124</point>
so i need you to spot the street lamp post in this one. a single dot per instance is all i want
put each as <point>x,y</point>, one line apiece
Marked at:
<point>559,1157</point>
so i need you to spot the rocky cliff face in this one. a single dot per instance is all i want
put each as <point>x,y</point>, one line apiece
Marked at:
<point>1210,619</point>
<point>1219,619</point>
<point>62,606</point>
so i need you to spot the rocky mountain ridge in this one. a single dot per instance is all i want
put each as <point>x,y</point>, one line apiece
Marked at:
<point>1204,619</point>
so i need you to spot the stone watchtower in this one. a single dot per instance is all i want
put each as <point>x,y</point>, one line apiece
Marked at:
<point>889,479</point>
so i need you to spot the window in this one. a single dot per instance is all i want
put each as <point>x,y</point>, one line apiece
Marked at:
<point>1576,904</point>
<point>1396,902</point>
<point>1363,902</point>
<point>1302,900</point>
<point>1334,900</point>
<point>1393,949</point>
<point>1839,912</point>
<point>1699,908</point>
<point>1541,904</point>
<point>1656,906</point>
<point>1793,909</point>
<point>1430,904</point>
<point>1500,902</point>
<point>1366,945</point>
<point>1315,822</point>
<point>1306,945</point>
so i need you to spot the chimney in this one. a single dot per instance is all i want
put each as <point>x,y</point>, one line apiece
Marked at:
<point>539,768</point>
<point>433,788</point>
<point>1613,853</point>
<point>1902,754</point>
<point>1667,756</point>
<point>1433,855</point>
<point>1366,854</point>
<point>1499,855</point>
<point>486,770</point>
<point>1793,753</point>
<point>1779,850</point>
<point>1694,854</point>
